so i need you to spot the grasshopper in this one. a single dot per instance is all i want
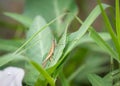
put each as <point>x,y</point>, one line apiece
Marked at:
<point>49,56</point>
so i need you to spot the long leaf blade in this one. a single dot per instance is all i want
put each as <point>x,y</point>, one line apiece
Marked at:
<point>74,38</point>
<point>103,44</point>
<point>22,19</point>
<point>43,72</point>
<point>97,81</point>
<point>8,58</point>
<point>118,19</point>
<point>109,28</point>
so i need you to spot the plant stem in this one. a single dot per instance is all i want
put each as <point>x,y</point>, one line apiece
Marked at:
<point>111,68</point>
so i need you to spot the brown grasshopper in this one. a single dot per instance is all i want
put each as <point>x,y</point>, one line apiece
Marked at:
<point>49,54</point>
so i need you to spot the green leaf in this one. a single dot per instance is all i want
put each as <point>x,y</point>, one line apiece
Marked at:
<point>87,39</point>
<point>44,73</point>
<point>40,82</point>
<point>39,51</point>
<point>109,78</point>
<point>103,44</point>
<point>9,45</point>
<point>97,81</point>
<point>74,38</point>
<point>8,58</point>
<point>63,79</point>
<point>50,10</point>
<point>32,75</point>
<point>93,64</point>
<point>117,7</point>
<point>110,29</point>
<point>58,52</point>
<point>59,48</point>
<point>35,34</point>
<point>21,18</point>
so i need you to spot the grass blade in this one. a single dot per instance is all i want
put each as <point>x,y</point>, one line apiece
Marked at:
<point>103,44</point>
<point>60,47</point>
<point>10,57</point>
<point>97,81</point>
<point>22,19</point>
<point>43,72</point>
<point>109,28</point>
<point>63,79</point>
<point>34,35</point>
<point>10,45</point>
<point>118,19</point>
<point>74,38</point>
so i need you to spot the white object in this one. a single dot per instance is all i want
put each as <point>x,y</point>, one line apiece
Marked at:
<point>11,76</point>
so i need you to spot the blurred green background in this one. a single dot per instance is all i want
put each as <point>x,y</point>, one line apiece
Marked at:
<point>90,55</point>
<point>8,26</point>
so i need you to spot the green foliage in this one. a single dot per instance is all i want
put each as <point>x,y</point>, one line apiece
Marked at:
<point>50,10</point>
<point>49,20</point>
<point>9,45</point>
<point>9,57</point>
<point>39,51</point>
<point>22,19</point>
<point>103,44</point>
<point>110,29</point>
<point>44,73</point>
<point>118,19</point>
<point>98,81</point>
<point>95,80</point>
<point>74,37</point>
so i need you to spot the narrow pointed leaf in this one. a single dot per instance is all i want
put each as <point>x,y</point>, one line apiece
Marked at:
<point>97,81</point>
<point>59,48</point>
<point>103,44</point>
<point>8,58</point>
<point>44,73</point>
<point>20,18</point>
<point>74,38</point>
